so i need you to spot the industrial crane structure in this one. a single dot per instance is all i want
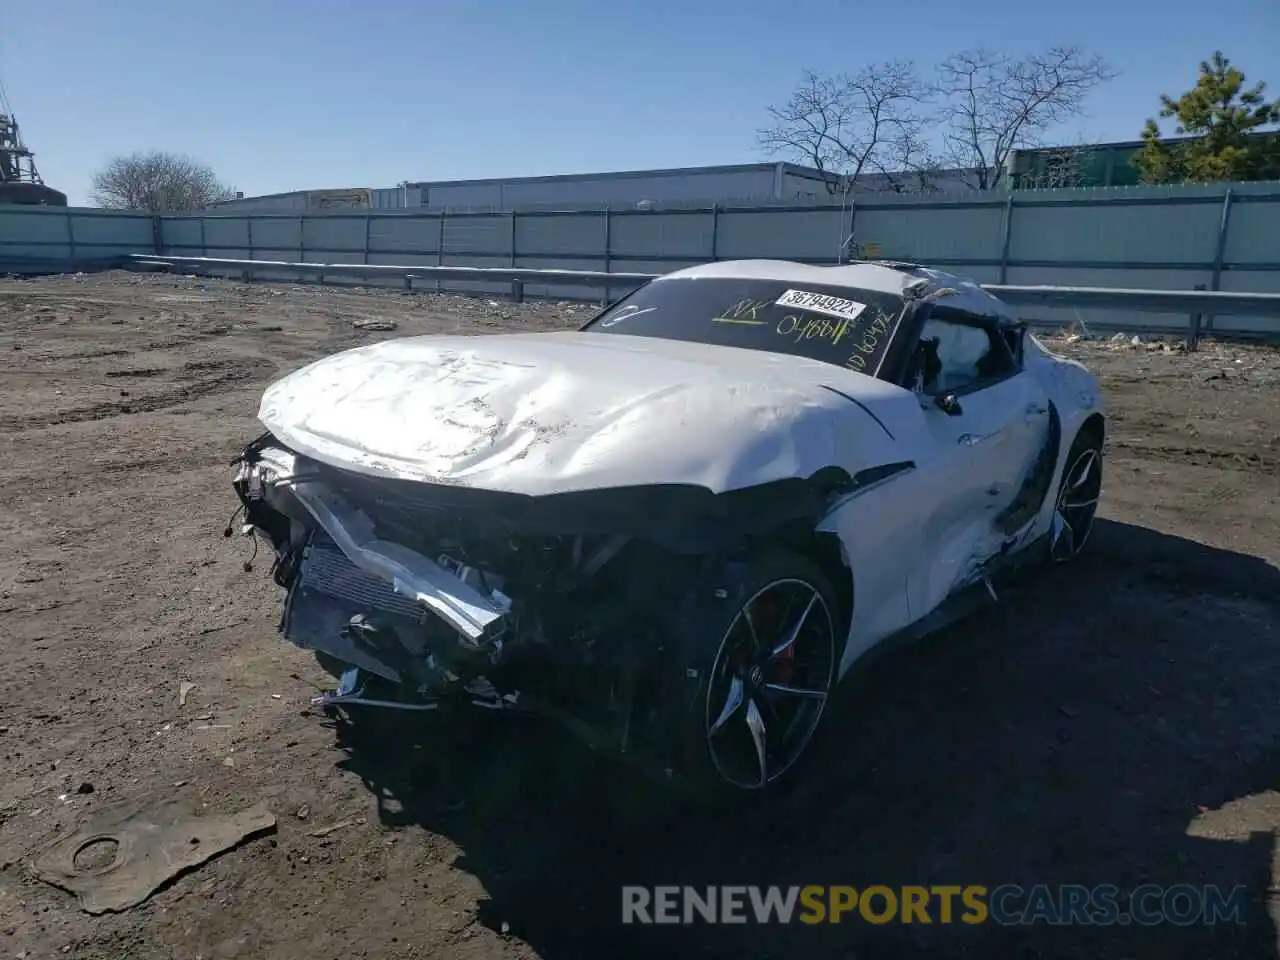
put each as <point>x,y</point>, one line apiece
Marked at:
<point>19,180</point>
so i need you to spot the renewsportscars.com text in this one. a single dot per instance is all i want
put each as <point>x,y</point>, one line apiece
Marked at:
<point>1008,904</point>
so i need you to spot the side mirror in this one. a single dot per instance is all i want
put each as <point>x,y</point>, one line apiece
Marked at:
<point>948,403</point>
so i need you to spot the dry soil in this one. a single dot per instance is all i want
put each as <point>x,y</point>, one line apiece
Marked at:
<point>1115,722</point>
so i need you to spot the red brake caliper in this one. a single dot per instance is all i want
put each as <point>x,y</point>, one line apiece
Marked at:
<point>783,667</point>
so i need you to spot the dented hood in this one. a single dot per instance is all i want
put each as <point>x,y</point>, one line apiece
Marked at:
<point>547,413</point>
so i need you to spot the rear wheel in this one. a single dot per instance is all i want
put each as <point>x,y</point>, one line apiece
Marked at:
<point>765,658</point>
<point>1077,502</point>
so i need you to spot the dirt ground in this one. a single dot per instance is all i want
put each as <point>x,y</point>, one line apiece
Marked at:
<point>1114,723</point>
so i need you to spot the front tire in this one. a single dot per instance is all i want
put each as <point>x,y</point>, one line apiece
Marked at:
<point>764,655</point>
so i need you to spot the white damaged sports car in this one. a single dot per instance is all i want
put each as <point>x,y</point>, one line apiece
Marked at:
<point>678,527</point>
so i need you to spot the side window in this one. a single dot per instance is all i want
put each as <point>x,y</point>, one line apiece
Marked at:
<point>954,356</point>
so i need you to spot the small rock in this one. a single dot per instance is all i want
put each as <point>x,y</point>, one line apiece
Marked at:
<point>506,927</point>
<point>229,762</point>
<point>85,787</point>
<point>303,812</point>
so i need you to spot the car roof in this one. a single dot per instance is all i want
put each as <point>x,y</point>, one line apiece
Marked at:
<point>882,276</point>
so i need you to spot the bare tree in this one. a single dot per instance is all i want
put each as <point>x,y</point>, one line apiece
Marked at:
<point>994,104</point>
<point>157,182</point>
<point>852,124</point>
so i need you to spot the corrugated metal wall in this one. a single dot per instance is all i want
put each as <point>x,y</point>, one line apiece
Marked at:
<point>1224,237</point>
<point>43,238</point>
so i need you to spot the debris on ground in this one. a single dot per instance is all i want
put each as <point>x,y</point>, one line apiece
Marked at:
<point>325,831</point>
<point>1251,364</point>
<point>184,688</point>
<point>118,860</point>
<point>370,323</point>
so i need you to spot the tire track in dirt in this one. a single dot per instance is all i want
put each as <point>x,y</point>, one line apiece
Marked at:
<point>174,395</point>
<point>1201,456</point>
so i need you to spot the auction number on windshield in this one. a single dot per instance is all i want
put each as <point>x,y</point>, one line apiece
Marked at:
<point>822,303</point>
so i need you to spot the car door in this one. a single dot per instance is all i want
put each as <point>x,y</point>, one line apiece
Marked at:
<point>985,421</point>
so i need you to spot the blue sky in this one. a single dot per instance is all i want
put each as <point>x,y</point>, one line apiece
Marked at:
<point>280,94</point>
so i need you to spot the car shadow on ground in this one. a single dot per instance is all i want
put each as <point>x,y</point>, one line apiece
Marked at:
<point>1111,723</point>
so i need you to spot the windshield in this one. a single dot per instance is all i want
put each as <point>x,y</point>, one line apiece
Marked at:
<point>841,325</point>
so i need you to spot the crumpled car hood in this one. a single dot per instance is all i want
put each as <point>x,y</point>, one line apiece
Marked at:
<point>551,413</point>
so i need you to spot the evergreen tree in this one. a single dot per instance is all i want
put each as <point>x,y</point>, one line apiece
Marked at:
<point>1227,125</point>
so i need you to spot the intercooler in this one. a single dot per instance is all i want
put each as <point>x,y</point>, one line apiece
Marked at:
<point>330,590</point>
<point>326,570</point>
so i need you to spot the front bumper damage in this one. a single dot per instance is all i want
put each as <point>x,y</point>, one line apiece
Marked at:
<point>574,606</point>
<point>379,608</point>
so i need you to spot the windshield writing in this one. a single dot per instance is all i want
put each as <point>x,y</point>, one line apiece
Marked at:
<point>839,325</point>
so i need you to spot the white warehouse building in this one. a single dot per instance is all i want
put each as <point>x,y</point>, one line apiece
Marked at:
<point>736,183</point>
<point>739,182</point>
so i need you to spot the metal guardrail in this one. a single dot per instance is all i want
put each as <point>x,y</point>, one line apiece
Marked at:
<point>1143,301</point>
<point>1195,303</point>
<point>516,276</point>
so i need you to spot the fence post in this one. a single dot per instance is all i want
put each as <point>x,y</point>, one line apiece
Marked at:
<point>1224,224</point>
<point>302,243</point>
<point>853,223</point>
<point>157,235</point>
<point>71,238</point>
<point>715,232</point>
<point>608,243</point>
<point>368,221</point>
<point>440,252</point>
<point>1193,333</point>
<point>517,288</point>
<point>1006,238</point>
<point>248,229</point>
<point>204,246</point>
